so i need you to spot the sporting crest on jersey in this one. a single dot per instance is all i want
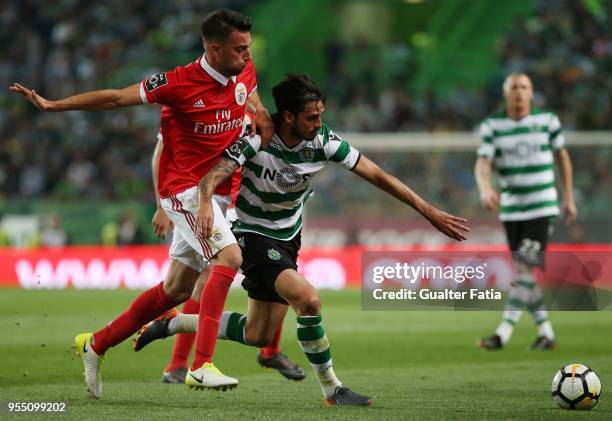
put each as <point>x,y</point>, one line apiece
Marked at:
<point>156,81</point>
<point>241,93</point>
<point>307,154</point>
<point>274,254</point>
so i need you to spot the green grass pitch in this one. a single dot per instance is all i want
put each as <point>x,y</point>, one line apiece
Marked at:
<point>417,365</point>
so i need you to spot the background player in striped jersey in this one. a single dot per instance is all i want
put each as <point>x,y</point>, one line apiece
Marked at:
<point>523,143</point>
<point>269,356</point>
<point>275,185</point>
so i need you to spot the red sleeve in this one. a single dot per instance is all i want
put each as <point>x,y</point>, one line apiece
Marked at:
<point>159,88</point>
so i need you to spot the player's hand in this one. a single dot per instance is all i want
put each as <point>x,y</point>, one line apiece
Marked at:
<point>490,199</point>
<point>570,211</point>
<point>204,221</point>
<point>161,223</point>
<point>31,95</point>
<point>264,122</point>
<point>449,225</point>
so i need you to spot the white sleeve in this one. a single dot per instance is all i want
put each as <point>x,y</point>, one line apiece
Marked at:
<point>555,137</point>
<point>486,148</point>
<point>340,151</point>
<point>243,149</point>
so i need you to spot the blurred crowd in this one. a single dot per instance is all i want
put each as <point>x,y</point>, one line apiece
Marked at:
<point>568,52</point>
<point>565,46</point>
<point>69,46</point>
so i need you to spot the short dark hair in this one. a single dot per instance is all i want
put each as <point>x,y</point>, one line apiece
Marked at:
<point>218,25</point>
<point>294,92</point>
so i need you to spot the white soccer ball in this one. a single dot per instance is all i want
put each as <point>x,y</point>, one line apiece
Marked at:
<point>576,386</point>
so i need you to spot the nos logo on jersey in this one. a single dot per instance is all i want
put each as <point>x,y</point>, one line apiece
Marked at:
<point>156,81</point>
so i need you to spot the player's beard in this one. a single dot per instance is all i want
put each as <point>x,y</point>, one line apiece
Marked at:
<point>236,70</point>
<point>306,136</point>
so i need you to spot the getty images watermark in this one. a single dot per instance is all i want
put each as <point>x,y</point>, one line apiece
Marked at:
<point>411,274</point>
<point>460,280</point>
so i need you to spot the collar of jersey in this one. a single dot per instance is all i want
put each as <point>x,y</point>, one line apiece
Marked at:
<point>282,142</point>
<point>213,73</point>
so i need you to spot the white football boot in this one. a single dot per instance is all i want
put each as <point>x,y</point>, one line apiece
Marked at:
<point>92,363</point>
<point>209,377</point>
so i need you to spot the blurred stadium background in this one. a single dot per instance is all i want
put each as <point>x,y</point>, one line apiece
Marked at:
<point>408,82</point>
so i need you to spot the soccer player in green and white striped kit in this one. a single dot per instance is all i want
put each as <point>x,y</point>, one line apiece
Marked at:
<point>523,143</point>
<point>275,185</point>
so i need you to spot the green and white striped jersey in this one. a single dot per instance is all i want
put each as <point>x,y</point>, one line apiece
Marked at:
<point>522,154</point>
<point>275,180</point>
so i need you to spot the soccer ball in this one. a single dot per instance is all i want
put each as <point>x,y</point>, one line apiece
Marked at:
<point>576,386</point>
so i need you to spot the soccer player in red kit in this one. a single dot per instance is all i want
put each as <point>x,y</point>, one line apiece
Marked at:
<point>207,100</point>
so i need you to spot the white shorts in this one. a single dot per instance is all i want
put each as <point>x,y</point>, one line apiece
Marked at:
<point>182,209</point>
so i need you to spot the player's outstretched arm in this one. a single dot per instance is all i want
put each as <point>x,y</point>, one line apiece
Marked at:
<point>160,221</point>
<point>206,188</point>
<point>106,99</point>
<point>450,225</point>
<point>569,204</point>
<point>482,172</point>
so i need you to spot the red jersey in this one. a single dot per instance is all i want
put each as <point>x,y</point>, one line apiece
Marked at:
<point>204,114</point>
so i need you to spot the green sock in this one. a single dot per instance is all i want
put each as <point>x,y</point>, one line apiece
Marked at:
<point>231,326</point>
<point>315,345</point>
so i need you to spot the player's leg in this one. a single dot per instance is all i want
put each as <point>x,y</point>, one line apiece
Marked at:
<point>538,231</point>
<point>224,268</point>
<point>225,256</point>
<point>147,306</point>
<point>257,328</point>
<point>304,299</point>
<point>271,355</point>
<point>176,370</point>
<point>518,295</point>
<point>260,328</point>
<point>263,259</point>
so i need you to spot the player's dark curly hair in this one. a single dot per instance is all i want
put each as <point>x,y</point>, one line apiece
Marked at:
<point>218,25</point>
<point>294,92</point>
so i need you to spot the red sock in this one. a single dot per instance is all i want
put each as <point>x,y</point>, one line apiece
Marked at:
<point>184,341</point>
<point>273,347</point>
<point>146,307</point>
<point>212,302</point>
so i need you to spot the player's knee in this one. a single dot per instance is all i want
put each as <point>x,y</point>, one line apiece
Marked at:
<point>257,338</point>
<point>258,341</point>
<point>177,292</point>
<point>310,305</point>
<point>230,257</point>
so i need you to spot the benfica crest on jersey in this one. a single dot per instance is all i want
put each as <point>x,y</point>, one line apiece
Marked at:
<point>241,93</point>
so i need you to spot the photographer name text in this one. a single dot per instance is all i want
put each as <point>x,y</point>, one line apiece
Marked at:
<point>436,295</point>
